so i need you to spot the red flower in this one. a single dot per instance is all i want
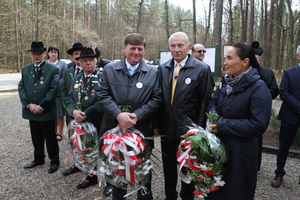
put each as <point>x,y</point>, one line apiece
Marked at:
<point>209,172</point>
<point>117,157</point>
<point>117,170</point>
<point>187,169</point>
<point>72,153</point>
<point>213,189</point>
<point>85,150</point>
<point>81,158</point>
<point>197,193</point>
<point>122,172</point>
<point>85,163</point>
<point>200,178</point>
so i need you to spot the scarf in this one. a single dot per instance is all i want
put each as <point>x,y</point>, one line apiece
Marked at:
<point>232,81</point>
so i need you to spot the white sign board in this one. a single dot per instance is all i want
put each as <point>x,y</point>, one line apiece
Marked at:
<point>209,57</point>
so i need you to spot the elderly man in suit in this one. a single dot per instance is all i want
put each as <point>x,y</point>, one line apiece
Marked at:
<point>38,90</point>
<point>289,115</point>
<point>186,90</point>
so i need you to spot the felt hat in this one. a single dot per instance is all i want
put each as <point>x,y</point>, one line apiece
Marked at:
<point>37,47</point>
<point>97,52</point>
<point>75,47</point>
<point>86,52</point>
<point>257,50</point>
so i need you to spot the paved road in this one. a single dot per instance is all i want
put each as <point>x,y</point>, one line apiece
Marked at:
<point>9,82</point>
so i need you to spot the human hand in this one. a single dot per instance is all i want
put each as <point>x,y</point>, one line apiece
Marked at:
<point>213,129</point>
<point>38,110</point>
<point>79,116</point>
<point>125,121</point>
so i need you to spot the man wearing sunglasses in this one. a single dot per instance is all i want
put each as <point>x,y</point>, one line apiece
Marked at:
<point>198,51</point>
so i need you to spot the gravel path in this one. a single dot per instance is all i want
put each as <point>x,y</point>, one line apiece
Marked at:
<point>16,151</point>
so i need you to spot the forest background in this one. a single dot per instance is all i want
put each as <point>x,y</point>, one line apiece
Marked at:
<point>105,23</point>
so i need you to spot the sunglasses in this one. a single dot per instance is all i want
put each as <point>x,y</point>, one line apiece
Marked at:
<point>201,51</point>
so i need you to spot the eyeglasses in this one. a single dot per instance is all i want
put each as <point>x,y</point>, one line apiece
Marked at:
<point>201,51</point>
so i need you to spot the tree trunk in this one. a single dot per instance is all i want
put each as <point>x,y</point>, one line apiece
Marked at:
<point>244,22</point>
<point>194,22</point>
<point>208,22</point>
<point>265,31</point>
<point>251,22</point>
<point>167,19</point>
<point>140,16</point>
<point>270,34</point>
<point>88,16</point>
<point>231,22</point>
<point>218,32</point>
<point>73,21</point>
<point>17,36</point>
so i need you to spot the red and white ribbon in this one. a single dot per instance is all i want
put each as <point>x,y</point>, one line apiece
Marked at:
<point>114,143</point>
<point>76,137</point>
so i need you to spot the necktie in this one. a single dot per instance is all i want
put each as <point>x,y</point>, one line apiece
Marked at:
<point>131,70</point>
<point>175,81</point>
<point>77,71</point>
<point>36,69</point>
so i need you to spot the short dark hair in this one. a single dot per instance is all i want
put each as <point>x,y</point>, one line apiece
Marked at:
<point>55,48</point>
<point>135,39</point>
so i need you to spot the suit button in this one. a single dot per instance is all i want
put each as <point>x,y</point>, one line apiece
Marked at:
<point>33,91</point>
<point>34,99</point>
<point>35,84</point>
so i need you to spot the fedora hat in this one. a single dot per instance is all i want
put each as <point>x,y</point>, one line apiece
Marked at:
<point>257,50</point>
<point>75,47</point>
<point>86,52</point>
<point>37,47</point>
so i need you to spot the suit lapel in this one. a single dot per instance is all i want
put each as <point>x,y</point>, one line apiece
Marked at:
<point>297,75</point>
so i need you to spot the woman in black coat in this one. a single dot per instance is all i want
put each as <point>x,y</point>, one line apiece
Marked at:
<point>244,103</point>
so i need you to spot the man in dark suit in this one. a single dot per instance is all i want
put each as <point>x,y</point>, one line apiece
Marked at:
<point>82,102</point>
<point>186,90</point>
<point>73,69</point>
<point>38,90</point>
<point>289,115</point>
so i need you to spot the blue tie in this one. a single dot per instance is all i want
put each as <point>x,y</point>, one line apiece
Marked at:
<point>131,70</point>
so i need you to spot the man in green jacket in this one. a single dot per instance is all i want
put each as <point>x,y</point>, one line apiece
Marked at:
<point>38,90</point>
<point>73,70</point>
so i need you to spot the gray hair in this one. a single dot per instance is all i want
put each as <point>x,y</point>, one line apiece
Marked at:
<point>298,49</point>
<point>187,39</point>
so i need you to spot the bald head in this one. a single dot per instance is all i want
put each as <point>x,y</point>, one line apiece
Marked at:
<point>198,51</point>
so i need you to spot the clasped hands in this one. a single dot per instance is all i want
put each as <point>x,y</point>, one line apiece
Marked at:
<point>126,120</point>
<point>35,109</point>
<point>78,115</point>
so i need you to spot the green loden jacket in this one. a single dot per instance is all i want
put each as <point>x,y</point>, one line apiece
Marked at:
<point>91,107</point>
<point>40,89</point>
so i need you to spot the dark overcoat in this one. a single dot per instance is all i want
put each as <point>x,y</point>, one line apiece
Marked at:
<point>245,116</point>
<point>141,91</point>
<point>193,91</point>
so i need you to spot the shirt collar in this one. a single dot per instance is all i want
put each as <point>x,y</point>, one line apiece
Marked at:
<point>128,65</point>
<point>39,64</point>
<point>182,63</point>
